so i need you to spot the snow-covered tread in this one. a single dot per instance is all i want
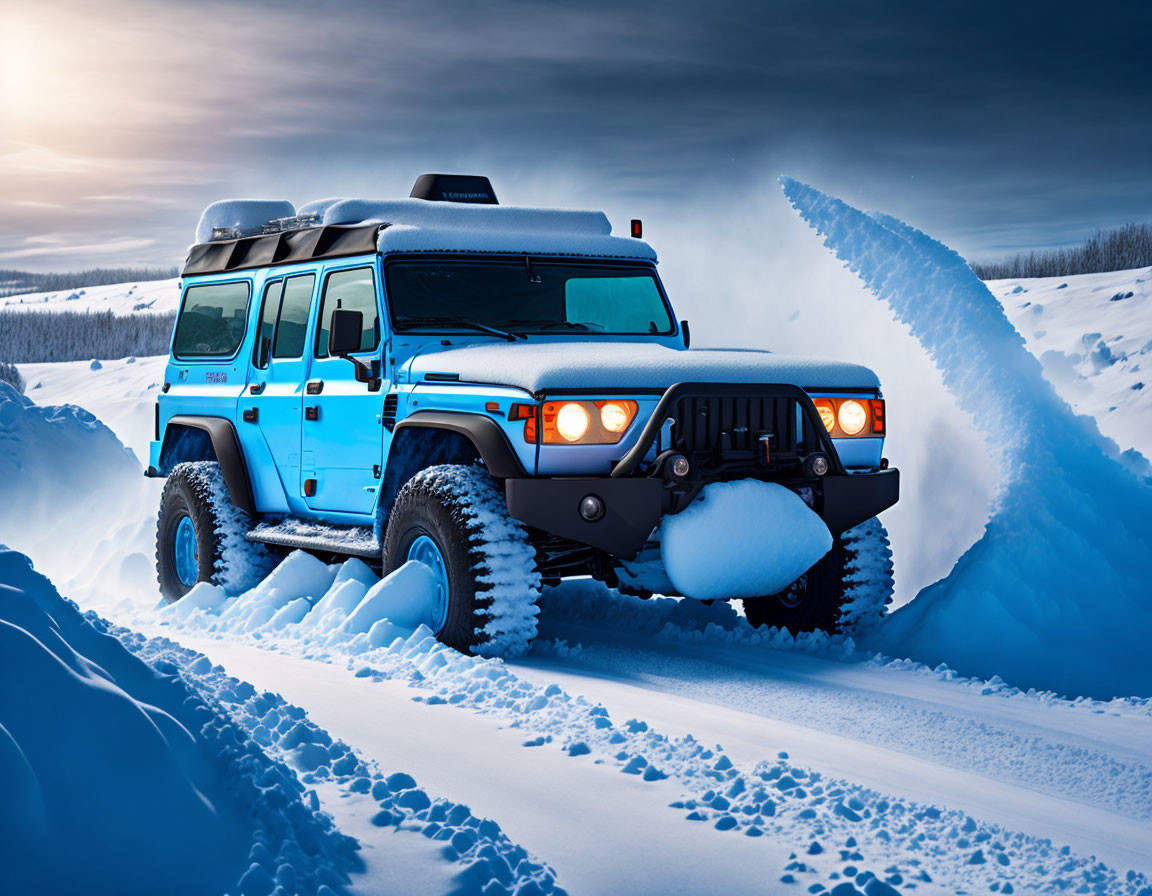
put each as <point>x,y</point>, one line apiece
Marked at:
<point>501,561</point>
<point>868,582</point>
<point>229,559</point>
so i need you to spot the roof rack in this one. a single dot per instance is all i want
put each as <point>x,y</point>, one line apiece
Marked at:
<point>282,247</point>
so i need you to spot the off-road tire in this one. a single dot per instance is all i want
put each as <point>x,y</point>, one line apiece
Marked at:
<point>848,591</point>
<point>224,556</point>
<point>493,582</point>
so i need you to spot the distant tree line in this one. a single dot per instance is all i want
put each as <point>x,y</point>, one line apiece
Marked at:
<point>9,374</point>
<point>30,337</point>
<point>1121,249</point>
<point>14,283</point>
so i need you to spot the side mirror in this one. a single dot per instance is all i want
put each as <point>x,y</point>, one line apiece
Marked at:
<point>345,332</point>
<point>344,336</point>
<point>686,332</point>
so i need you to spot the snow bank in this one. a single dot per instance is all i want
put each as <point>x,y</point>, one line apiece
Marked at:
<point>51,455</point>
<point>75,499</point>
<point>537,366</point>
<point>116,776</point>
<point>303,596</point>
<point>1055,594</point>
<point>741,538</point>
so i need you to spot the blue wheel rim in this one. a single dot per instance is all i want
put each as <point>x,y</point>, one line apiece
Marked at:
<point>425,550</point>
<point>185,552</point>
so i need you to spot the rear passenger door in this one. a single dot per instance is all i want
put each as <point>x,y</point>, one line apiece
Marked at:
<point>277,383</point>
<point>342,441</point>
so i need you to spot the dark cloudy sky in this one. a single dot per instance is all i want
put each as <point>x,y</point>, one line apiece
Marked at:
<point>994,126</point>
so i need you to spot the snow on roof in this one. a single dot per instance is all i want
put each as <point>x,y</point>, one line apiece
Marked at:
<point>242,215</point>
<point>418,225</point>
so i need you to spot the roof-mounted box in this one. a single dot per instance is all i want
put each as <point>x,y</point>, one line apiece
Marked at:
<point>471,188</point>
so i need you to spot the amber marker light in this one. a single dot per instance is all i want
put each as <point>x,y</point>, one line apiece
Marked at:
<point>827,413</point>
<point>878,424</point>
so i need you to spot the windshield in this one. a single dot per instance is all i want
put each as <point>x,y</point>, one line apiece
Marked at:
<point>526,296</point>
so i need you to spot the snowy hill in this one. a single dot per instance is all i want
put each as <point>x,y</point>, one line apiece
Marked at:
<point>149,297</point>
<point>1093,336</point>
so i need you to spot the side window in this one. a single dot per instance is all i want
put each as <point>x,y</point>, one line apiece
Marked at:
<point>269,308</point>
<point>292,325</point>
<point>212,320</point>
<point>352,290</point>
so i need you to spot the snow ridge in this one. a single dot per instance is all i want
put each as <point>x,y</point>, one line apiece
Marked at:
<point>1054,594</point>
<point>492,863</point>
<point>83,704</point>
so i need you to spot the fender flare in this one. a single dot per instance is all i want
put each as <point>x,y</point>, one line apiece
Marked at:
<point>483,432</point>
<point>226,445</point>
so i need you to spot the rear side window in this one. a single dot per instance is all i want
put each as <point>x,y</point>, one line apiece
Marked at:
<point>292,325</point>
<point>212,320</point>
<point>352,290</point>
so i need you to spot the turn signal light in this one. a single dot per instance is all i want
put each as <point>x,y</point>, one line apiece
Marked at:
<point>877,405</point>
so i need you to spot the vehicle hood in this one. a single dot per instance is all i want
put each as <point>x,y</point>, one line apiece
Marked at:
<point>542,366</point>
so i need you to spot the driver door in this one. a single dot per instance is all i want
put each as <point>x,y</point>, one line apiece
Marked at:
<point>342,432</point>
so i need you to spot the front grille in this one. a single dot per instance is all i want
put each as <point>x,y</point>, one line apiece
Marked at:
<point>724,430</point>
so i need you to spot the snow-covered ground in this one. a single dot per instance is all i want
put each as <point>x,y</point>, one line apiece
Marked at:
<point>1093,336</point>
<point>661,746</point>
<point>146,297</point>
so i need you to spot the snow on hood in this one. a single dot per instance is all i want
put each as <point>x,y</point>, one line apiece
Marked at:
<point>537,366</point>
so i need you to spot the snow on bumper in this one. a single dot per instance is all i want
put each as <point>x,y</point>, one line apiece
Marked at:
<point>741,539</point>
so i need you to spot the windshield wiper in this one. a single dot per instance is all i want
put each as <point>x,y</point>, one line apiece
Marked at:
<point>555,325</point>
<point>459,322</point>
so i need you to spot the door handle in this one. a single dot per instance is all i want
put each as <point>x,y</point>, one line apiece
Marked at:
<point>314,387</point>
<point>312,413</point>
<point>257,388</point>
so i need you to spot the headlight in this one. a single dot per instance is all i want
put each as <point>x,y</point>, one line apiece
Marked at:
<point>846,418</point>
<point>572,421</point>
<point>614,416</point>
<point>852,417</point>
<point>577,422</point>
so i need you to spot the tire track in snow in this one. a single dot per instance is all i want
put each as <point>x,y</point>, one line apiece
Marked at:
<point>1097,759</point>
<point>840,832</point>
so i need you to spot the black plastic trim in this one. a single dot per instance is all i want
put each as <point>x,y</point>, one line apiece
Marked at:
<point>287,247</point>
<point>228,453</point>
<point>850,500</point>
<point>632,508</point>
<point>483,432</point>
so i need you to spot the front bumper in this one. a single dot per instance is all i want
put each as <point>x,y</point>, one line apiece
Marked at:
<point>633,505</point>
<point>722,429</point>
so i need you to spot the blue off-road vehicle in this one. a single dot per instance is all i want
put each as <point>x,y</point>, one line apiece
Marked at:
<point>505,395</point>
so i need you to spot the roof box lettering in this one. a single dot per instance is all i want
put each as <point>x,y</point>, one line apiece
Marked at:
<point>471,188</point>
